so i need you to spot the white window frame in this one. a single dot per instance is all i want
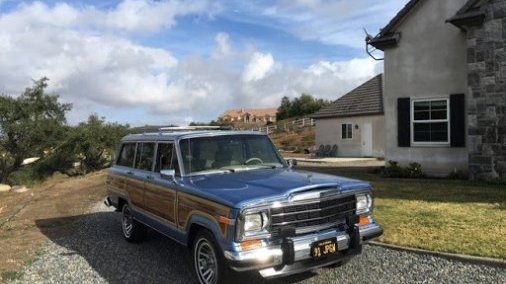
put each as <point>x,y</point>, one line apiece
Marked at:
<point>412,122</point>
<point>346,123</point>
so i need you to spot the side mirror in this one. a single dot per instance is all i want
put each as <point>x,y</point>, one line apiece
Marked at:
<point>291,162</point>
<point>168,174</point>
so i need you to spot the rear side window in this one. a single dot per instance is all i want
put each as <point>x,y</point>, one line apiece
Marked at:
<point>144,158</point>
<point>127,154</point>
<point>166,158</point>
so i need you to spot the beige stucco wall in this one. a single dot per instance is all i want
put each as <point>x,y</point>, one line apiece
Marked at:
<point>328,131</point>
<point>428,62</point>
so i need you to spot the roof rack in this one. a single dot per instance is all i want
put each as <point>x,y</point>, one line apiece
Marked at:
<point>192,128</point>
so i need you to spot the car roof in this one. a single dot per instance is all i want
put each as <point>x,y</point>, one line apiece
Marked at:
<point>171,136</point>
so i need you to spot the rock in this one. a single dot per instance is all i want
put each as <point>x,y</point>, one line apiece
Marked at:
<point>4,187</point>
<point>30,160</point>
<point>20,188</point>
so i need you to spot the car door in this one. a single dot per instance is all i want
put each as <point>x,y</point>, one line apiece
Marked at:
<point>141,173</point>
<point>160,193</point>
<point>123,174</point>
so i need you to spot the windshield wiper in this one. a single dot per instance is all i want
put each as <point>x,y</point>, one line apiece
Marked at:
<point>264,167</point>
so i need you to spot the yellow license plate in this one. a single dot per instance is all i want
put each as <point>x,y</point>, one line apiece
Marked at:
<point>323,248</point>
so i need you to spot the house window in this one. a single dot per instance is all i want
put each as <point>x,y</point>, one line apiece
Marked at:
<point>346,131</point>
<point>430,121</point>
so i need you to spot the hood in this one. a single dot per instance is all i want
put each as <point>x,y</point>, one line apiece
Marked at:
<point>239,189</point>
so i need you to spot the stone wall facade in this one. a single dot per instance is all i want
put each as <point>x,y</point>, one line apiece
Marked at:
<point>486,103</point>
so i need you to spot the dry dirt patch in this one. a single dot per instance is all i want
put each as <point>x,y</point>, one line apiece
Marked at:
<point>20,237</point>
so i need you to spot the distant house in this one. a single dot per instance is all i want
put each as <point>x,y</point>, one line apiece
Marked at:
<point>355,122</point>
<point>445,86</point>
<point>249,115</point>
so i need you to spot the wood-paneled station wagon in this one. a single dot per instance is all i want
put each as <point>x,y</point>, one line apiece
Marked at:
<point>237,204</point>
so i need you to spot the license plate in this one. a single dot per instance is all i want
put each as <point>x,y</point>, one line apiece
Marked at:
<point>323,248</point>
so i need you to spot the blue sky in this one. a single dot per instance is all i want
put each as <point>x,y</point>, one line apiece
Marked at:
<point>173,61</point>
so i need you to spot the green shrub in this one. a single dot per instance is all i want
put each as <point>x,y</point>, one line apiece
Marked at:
<point>11,275</point>
<point>414,170</point>
<point>25,176</point>
<point>394,170</point>
<point>458,174</point>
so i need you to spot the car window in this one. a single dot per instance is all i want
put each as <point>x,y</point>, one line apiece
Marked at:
<point>127,154</point>
<point>144,157</point>
<point>166,158</point>
<point>228,152</point>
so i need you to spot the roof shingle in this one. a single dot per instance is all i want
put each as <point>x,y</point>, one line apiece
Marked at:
<point>366,99</point>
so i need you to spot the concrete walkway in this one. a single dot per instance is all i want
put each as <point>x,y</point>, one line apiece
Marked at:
<point>338,162</point>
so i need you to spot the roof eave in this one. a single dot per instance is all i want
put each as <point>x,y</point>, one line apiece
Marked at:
<point>386,41</point>
<point>325,116</point>
<point>474,18</point>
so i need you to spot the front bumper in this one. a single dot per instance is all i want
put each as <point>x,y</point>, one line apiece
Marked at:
<point>276,259</point>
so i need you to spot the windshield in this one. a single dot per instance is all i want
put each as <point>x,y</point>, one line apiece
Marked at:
<point>228,153</point>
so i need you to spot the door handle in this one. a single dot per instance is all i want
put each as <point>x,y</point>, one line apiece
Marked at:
<point>130,173</point>
<point>149,177</point>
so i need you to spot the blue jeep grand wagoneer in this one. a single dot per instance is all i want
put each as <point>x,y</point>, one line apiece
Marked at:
<point>237,204</point>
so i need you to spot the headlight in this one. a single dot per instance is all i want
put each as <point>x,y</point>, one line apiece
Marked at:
<point>364,203</point>
<point>253,225</point>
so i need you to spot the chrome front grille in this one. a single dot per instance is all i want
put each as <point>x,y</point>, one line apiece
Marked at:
<point>313,215</point>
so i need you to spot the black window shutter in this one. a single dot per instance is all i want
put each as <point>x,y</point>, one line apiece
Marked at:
<point>457,120</point>
<point>404,122</point>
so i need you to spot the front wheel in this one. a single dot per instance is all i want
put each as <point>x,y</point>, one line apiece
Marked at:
<point>133,231</point>
<point>210,266</point>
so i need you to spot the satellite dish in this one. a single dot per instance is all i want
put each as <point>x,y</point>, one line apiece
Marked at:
<point>369,49</point>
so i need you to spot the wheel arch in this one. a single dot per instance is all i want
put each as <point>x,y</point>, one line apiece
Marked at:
<point>199,222</point>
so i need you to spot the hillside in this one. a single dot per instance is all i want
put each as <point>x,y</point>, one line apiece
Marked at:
<point>294,140</point>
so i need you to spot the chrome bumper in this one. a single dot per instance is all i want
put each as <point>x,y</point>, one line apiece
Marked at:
<point>370,231</point>
<point>269,260</point>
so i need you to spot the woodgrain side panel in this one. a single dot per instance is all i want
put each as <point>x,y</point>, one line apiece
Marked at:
<point>161,201</point>
<point>135,189</point>
<point>189,205</point>
<point>116,181</point>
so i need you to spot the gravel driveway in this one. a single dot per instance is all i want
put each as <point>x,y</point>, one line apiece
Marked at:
<point>97,253</point>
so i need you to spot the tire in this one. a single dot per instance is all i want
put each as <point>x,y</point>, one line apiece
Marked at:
<point>133,231</point>
<point>208,261</point>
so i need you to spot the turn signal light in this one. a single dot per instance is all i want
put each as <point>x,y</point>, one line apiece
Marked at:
<point>363,220</point>
<point>250,245</point>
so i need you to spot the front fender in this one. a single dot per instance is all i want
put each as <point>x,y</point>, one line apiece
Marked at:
<point>223,233</point>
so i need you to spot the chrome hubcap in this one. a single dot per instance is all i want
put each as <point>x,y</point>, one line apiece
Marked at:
<point>127,222</point>
<point>205,262</point>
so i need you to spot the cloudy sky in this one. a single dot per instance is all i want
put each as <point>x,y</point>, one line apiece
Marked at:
<point>172,61</point>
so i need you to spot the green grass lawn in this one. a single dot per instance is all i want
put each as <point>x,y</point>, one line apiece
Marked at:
<point>440,215</point>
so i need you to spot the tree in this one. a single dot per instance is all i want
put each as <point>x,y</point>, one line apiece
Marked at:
<point>95,142</point>
<point>284,109</point>
<point>303,105</point>
<point>31,125</point>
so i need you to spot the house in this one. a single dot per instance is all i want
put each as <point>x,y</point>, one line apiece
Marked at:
<point>444,86</point>
<point>249,115</point>
<point>355,122</point>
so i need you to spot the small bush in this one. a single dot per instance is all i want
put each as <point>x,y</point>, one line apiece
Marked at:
<point>11,275</point>
<point>414,170</point>
<point>394,170</point>
<point>458,174</point>
<point>25,176</point>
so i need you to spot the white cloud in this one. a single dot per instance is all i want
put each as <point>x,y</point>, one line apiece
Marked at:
<point>100,69</point>
<point>223,48</point>
<point>334,22</point>
<point>150,16</point>
<point>258,67</point>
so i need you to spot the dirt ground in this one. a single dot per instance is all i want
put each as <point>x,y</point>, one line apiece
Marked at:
<point>20,238</point>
